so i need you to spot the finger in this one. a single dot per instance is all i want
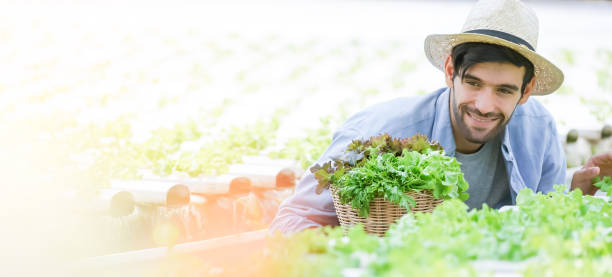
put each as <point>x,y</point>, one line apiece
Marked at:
<point>582,179</point>
<point>593,171</point>
<point>599,159</point>
<point>588,173</point>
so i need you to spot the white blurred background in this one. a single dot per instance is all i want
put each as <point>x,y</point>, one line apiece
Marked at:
<point>82,79</point>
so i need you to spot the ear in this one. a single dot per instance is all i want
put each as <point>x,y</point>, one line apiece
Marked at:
<point>448,71</point>
<point>528,90</point>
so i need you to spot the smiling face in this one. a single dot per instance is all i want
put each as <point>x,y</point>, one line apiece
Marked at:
<point>483,101</point>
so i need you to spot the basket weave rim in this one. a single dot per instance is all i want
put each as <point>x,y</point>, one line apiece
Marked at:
<point>382,212</point>
<point>426,192</point>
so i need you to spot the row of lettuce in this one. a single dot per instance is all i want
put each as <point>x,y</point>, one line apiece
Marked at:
<point>93,154</point>
<point>556,234</point>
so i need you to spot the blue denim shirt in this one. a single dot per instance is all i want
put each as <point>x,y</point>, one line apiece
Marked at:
<point>531,149</point>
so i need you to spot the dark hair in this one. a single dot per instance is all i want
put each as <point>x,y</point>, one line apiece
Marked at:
<point>467,54</point>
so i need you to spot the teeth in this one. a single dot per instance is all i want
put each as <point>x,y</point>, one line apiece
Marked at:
<point>479,119</point>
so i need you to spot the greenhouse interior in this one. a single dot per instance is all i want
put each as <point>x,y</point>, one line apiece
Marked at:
<point>307,138</point>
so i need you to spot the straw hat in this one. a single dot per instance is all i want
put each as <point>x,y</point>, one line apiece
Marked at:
<point>509,23</point>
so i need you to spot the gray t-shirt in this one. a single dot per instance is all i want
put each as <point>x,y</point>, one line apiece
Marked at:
<point>486,174</point>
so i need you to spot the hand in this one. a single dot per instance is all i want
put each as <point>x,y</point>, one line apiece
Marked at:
<point>598,165</point>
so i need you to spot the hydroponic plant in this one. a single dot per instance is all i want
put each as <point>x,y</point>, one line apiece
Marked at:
<point>388,167</point>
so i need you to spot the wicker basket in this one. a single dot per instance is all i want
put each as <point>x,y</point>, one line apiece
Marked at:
<point>382,213</point>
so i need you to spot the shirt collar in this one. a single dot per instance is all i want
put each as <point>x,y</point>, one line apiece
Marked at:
<point>442,129</point>
<point>506,149</point>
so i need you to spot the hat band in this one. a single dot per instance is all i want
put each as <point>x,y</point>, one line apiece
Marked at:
<point>502,35</point>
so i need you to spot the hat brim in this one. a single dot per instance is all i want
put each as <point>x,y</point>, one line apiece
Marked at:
<point>548,76</point>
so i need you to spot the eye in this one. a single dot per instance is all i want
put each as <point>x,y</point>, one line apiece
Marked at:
<point>472,83</point>
<point>505,91</point>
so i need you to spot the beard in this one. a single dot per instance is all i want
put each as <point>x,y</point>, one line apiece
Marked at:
<point>461,111</point>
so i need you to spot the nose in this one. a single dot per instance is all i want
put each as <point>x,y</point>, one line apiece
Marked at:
<point>485,101</point>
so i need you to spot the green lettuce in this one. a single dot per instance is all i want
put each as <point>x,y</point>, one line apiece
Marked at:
<point>556,234</point>
<point>604,184</point>
<point>389,167</point>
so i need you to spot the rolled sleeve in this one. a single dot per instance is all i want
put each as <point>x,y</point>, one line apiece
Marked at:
<point>306,208</point>
<point>553,164</point>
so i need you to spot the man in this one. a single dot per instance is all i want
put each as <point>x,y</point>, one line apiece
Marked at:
<point>486,118</point>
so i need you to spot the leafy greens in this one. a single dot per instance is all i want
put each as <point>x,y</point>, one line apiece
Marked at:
<point>389,167</point>
<point>555,234</point>
<point>604,184</point>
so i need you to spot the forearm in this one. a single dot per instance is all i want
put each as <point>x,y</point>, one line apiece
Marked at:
<point>289,221</point>
<point>305,209</point>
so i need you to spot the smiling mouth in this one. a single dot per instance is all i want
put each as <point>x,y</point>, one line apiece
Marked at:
<point>482,119</point>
